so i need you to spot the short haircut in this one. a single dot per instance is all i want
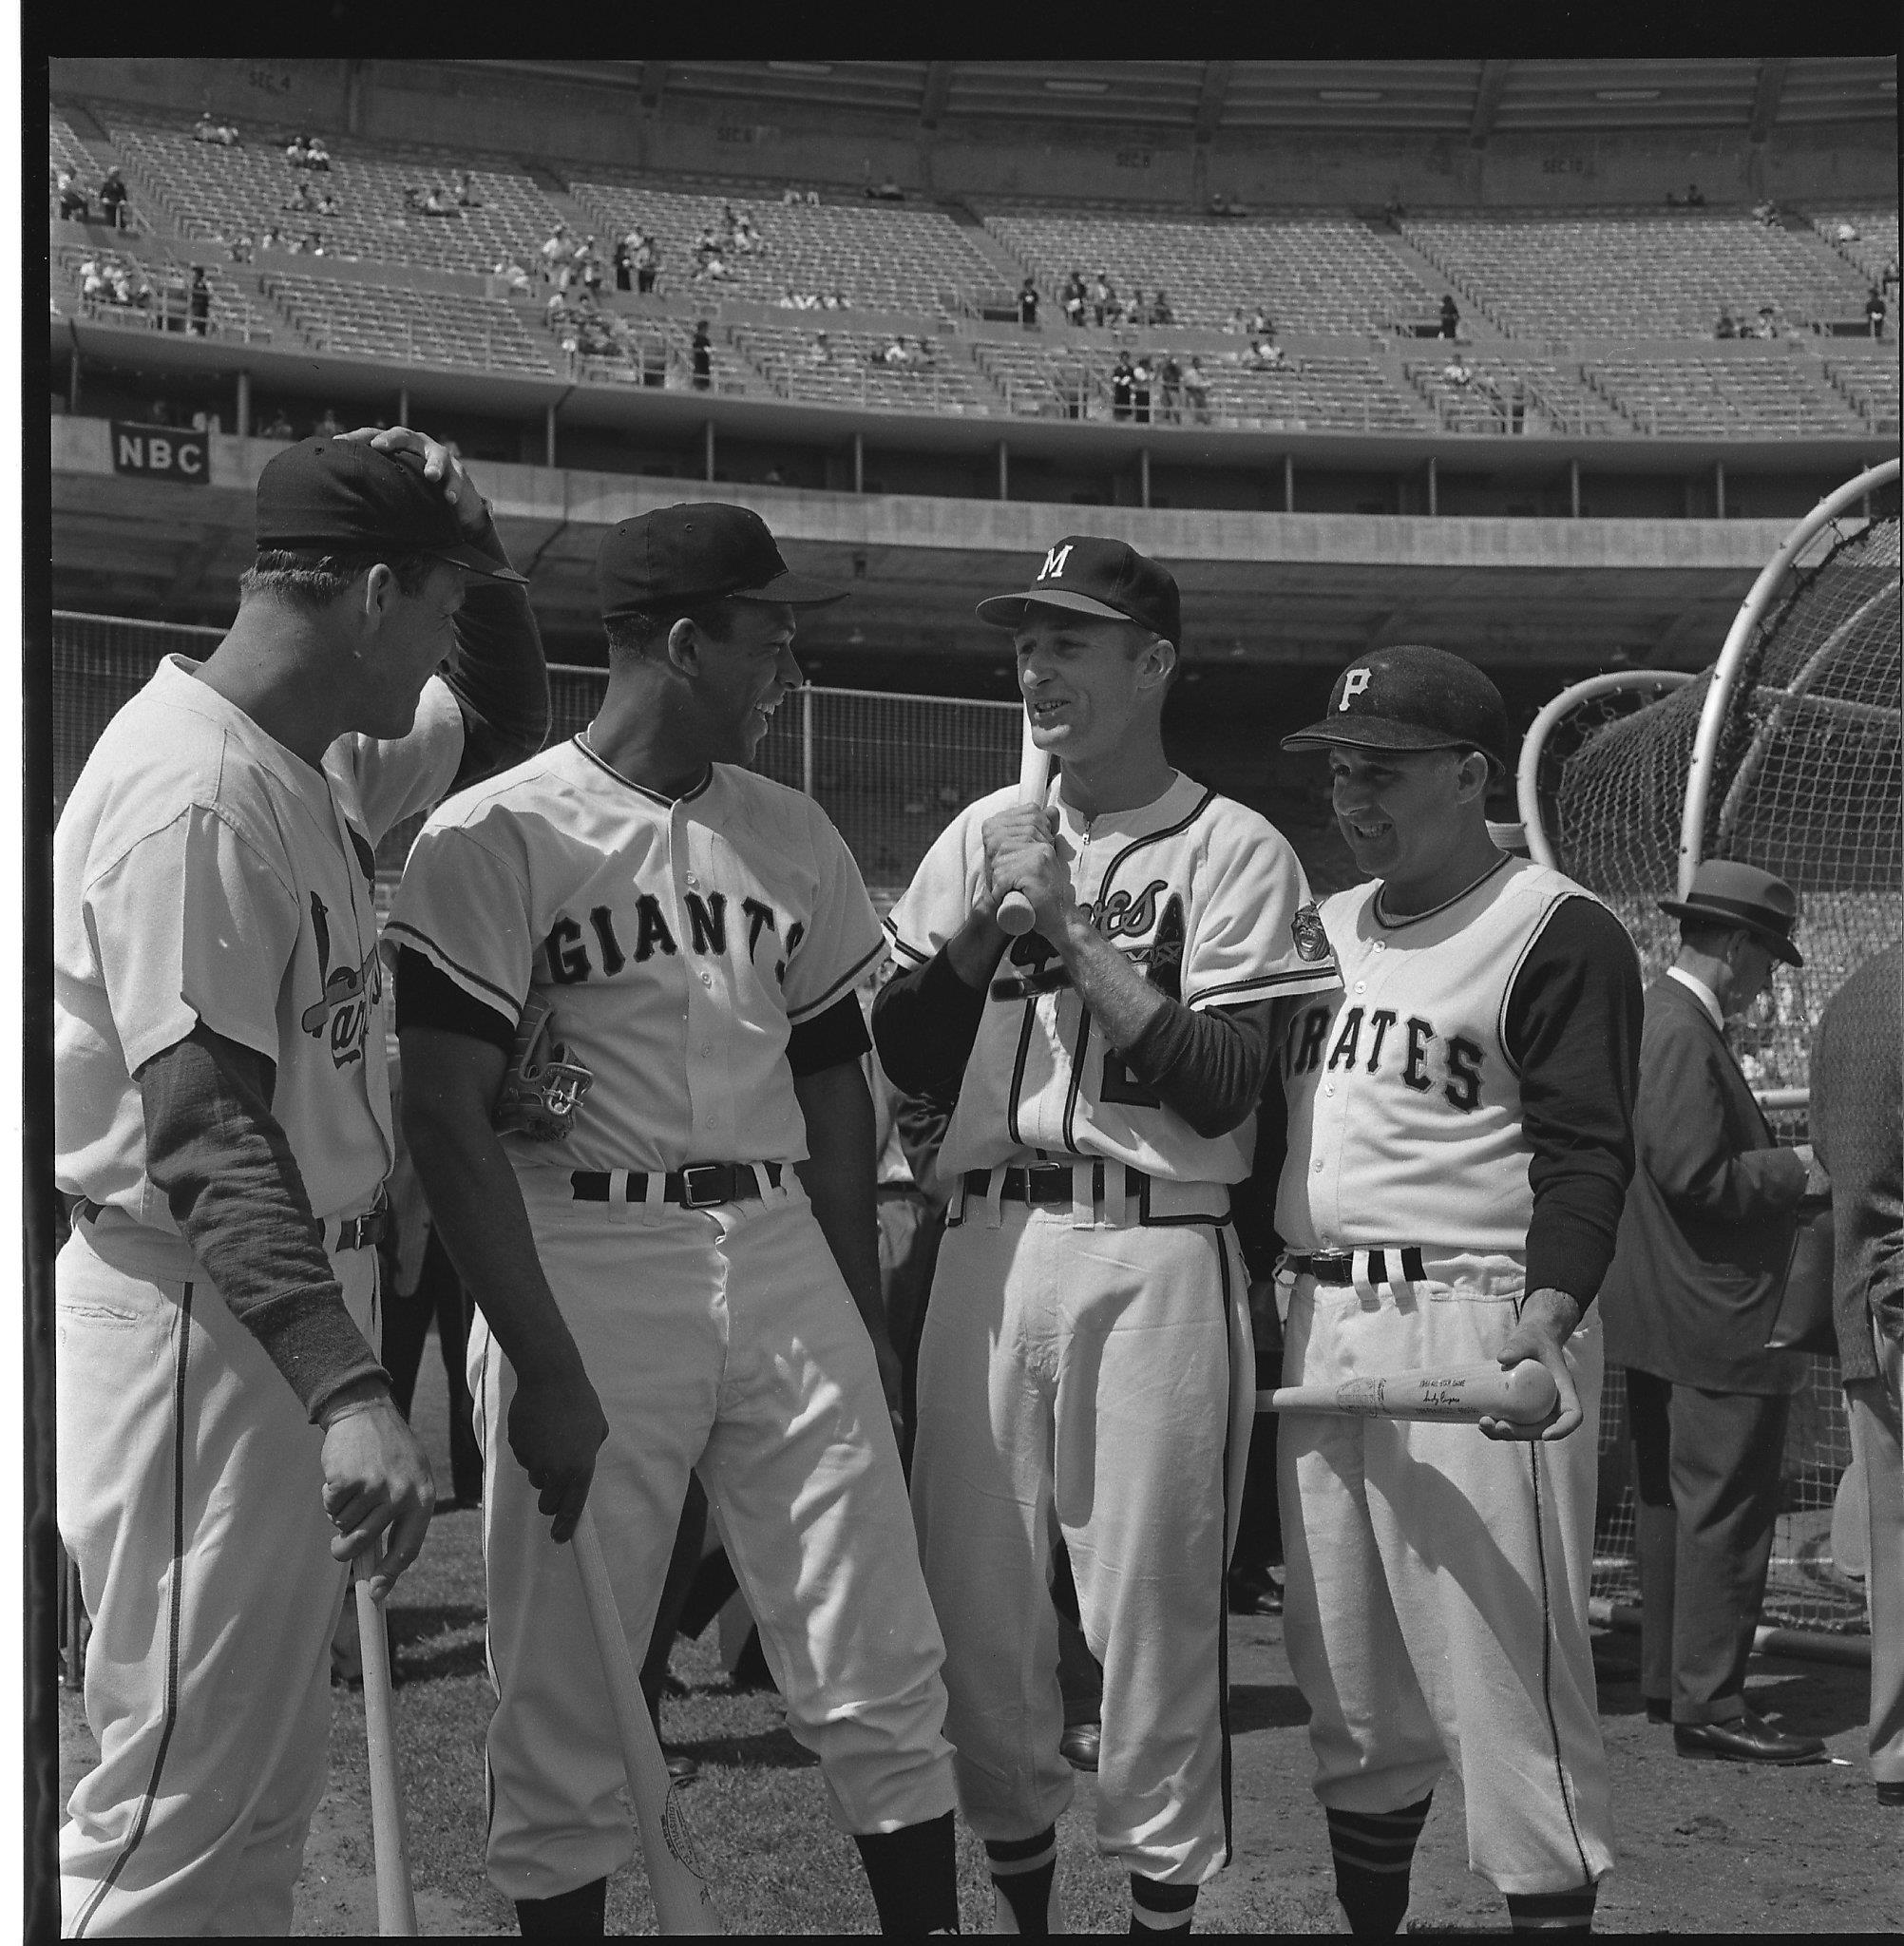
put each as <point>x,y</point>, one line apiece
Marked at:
<point>303,578</point>
<point>646,632</point>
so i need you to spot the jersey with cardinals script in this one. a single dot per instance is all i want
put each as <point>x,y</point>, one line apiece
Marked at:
<point>1201,892</point>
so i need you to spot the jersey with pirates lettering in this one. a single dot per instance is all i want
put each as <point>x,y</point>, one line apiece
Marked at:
<point>202,872</point>
<point>678,942</point>
<point>1406,1123</point>
<point>1204,895</point>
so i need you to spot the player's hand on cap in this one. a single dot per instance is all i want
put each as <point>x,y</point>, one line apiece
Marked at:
<point>377,1482</point>
<point>437,464</point>
<point>556,1428</point>
<point>1022,854</point>
<point>1546,1320</point>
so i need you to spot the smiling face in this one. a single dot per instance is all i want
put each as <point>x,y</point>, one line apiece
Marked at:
<point>740,674</point>
<point>1401,811</point>
<point>413,635</point>
<point>1087,681</point>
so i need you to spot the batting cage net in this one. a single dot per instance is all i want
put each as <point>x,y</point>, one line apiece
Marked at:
<point>889,771</point>
<point>1808,782</point>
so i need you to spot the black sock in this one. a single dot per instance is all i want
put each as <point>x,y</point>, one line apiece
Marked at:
<point>578,1915</point>
<point>1160,1908</point>
<point>1553,1911</point>
<point>1373,1851</point>
<point>1022,1869</point>
<point>914,1877</point>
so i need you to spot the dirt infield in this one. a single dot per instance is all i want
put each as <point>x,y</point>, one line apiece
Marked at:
<point>1702,1847</point>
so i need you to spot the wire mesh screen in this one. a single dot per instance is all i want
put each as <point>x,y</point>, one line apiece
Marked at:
<point>889,771</point>
<point>1809,784</point>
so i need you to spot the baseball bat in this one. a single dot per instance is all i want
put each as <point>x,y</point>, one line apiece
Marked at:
<point>396,1904</point>
<point>1015,911</point>
<point>682,1900</point>
<point>1524,1394</point>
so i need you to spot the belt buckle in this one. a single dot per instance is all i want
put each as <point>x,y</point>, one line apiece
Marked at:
<point>719,1174</point>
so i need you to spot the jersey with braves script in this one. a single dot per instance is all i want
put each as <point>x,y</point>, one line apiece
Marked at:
<point>679,940</point>
<point>1406,1123</point>
<point>1198,890</point>
<point>204,872</point>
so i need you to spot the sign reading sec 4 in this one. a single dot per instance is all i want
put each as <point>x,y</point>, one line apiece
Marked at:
<point>162,452</point>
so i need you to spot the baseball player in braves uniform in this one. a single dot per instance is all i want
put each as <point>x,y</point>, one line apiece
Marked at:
<point>1086,1363</point>
<point>223,1124</point>
<point>669,1267</point>
<point>1460,1136</point>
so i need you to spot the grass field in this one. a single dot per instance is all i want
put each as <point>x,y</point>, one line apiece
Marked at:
<point>1702,1847</point>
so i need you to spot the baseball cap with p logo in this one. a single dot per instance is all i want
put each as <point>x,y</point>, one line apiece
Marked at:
<point>1411,697</point>
<point>1092,576</point>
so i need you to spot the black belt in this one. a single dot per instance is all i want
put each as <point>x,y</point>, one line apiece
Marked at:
<point>1046,1182</point>
<point>1337,1267</point>
<point>363,1233</point>
<point>699,1186</point>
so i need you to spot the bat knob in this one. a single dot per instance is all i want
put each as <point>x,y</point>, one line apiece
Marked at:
<point>1014,914</point>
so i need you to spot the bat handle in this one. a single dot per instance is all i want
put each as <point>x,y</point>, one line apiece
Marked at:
<point>1014,914</point>
<point>396,1903</point>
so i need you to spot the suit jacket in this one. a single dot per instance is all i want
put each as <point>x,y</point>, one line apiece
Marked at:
<point>1709,1217</point>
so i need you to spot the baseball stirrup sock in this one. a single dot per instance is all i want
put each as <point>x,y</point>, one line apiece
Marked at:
<point>1156,1908</point>
<point>1553,1911</point>
<point>1373,1851</point>
<point>914,1876</point>
<point>1024,1883</point>
<point>578,1915</point>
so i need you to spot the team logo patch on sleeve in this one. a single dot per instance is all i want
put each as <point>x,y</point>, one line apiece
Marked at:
<point>1313,943</point>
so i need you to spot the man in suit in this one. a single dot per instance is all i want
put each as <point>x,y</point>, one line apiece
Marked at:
<point>1856,1056</point>
<point>1690,1301</point>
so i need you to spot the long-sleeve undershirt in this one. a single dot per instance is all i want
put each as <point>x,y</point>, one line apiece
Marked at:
<point>495,672</point>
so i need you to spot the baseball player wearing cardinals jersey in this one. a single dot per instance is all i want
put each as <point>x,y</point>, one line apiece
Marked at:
<point>1086,1364</point>
<point>223,1124</point>
<point>1460,1136</point>
<point>674,1248</point>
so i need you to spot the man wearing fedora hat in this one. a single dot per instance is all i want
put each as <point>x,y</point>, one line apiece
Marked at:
<point>1690,1301</point>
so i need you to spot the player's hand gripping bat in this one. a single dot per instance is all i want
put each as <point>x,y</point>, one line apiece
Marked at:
<point>1015,909</point>
<point>1465,1395</point>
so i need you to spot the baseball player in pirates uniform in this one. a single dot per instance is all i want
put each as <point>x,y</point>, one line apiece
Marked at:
<point>673,1242</point>
<point>1086,1364</point>
<point>1460,1137</point>
<point>223,1125</point>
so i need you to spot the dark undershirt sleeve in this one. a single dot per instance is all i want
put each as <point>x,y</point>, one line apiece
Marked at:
<point>925,1023</point>
<point>1207,1066</point>
<point>216,1153</point>
<point>1252,1202</point>
<point>495,672</point>
<point>829,1040</point>
<point>427,997</point>
<point>1572,1025</point>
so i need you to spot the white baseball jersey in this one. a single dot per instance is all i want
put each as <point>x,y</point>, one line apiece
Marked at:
<point>202,872</point>
<point>677,940</point>
<point>1405,1104</point>
<point>1203,893</point>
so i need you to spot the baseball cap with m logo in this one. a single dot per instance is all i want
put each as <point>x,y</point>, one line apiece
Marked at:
<point>1090,575</point>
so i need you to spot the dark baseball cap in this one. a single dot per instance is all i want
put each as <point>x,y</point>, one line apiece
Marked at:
<point>698,551</point>
<point>1092,576</point>
<point>1411,697</point>
<point>345,496</point>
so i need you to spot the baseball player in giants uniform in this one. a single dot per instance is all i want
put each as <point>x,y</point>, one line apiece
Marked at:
<point>1086,1363</point>
<point>1460,1137</point>
<point>223,1124</point>
<point>682,1268</point>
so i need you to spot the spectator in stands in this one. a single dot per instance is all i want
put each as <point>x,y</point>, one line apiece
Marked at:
<point>313,244</point>
<point>701,353</point>
<point>1456,373</point>
<point>467,196</point>
<point>1235,325</point>
<point>1451,315</point>
<point>303,199</point>
<point>1260,324</point>
<point>647,263</point>
<point>1694,197</point>
<point>73,205</point>
<point>1122,374</point>
<point>1170,386</point>
<point>555,251</point>
<point>1767,212</point>
<point>1104,298</point>
<point>1672,198</point>
<point>1726,328</point>
<point>1265,354</point>
<point>112,200</point>
<point>272,239</point>
<point>316,155</point>
<point>1221,205</point>
<point>589,260</point>
<point>437,203</point>
<point>278,427</point>
<point>820,352</point>
<point>1889,275</point>
<point>159,413</point>
<point>555,310</point>
<point>746,237</point>
<point>886,191</point>
<point>1142,377</point>
<point>241,247</point>
<point>623,259</point>
<point>1160,310</point>
<point>787,301</point>
<point>1768,322</point>
<point>1072,301</point>
<point>1028,304</point>
<point>206,129</point>
<point>838,301</point>
<point>199,301</point>
<point>327,425</point>
<point>513,273</point>
<point>1874,311</point>
<point>1132,310</point>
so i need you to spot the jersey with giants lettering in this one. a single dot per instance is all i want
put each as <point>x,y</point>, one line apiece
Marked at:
<point>1202,893</point>
<point>1405,1118</point>
<point>676,940</point>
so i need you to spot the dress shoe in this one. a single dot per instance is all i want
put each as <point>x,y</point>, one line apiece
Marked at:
<point>1078,1744</point>
<point>1747,1739</point>
<point>1891,1793</point>
<point>1254,1593</point>
<point>1659,1710</point>
<point>683,1769</point>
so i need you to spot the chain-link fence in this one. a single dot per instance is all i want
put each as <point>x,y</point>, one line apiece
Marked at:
<point>889,770</point>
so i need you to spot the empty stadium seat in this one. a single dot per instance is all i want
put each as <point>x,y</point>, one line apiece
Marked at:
<point>1742,395</point>
<point>415,327</point>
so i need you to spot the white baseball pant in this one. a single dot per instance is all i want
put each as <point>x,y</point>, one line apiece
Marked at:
<point>1435,1605</point>
<point>722,1341</point>
<point>1086,1378</point>
<point>190,1496</point>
